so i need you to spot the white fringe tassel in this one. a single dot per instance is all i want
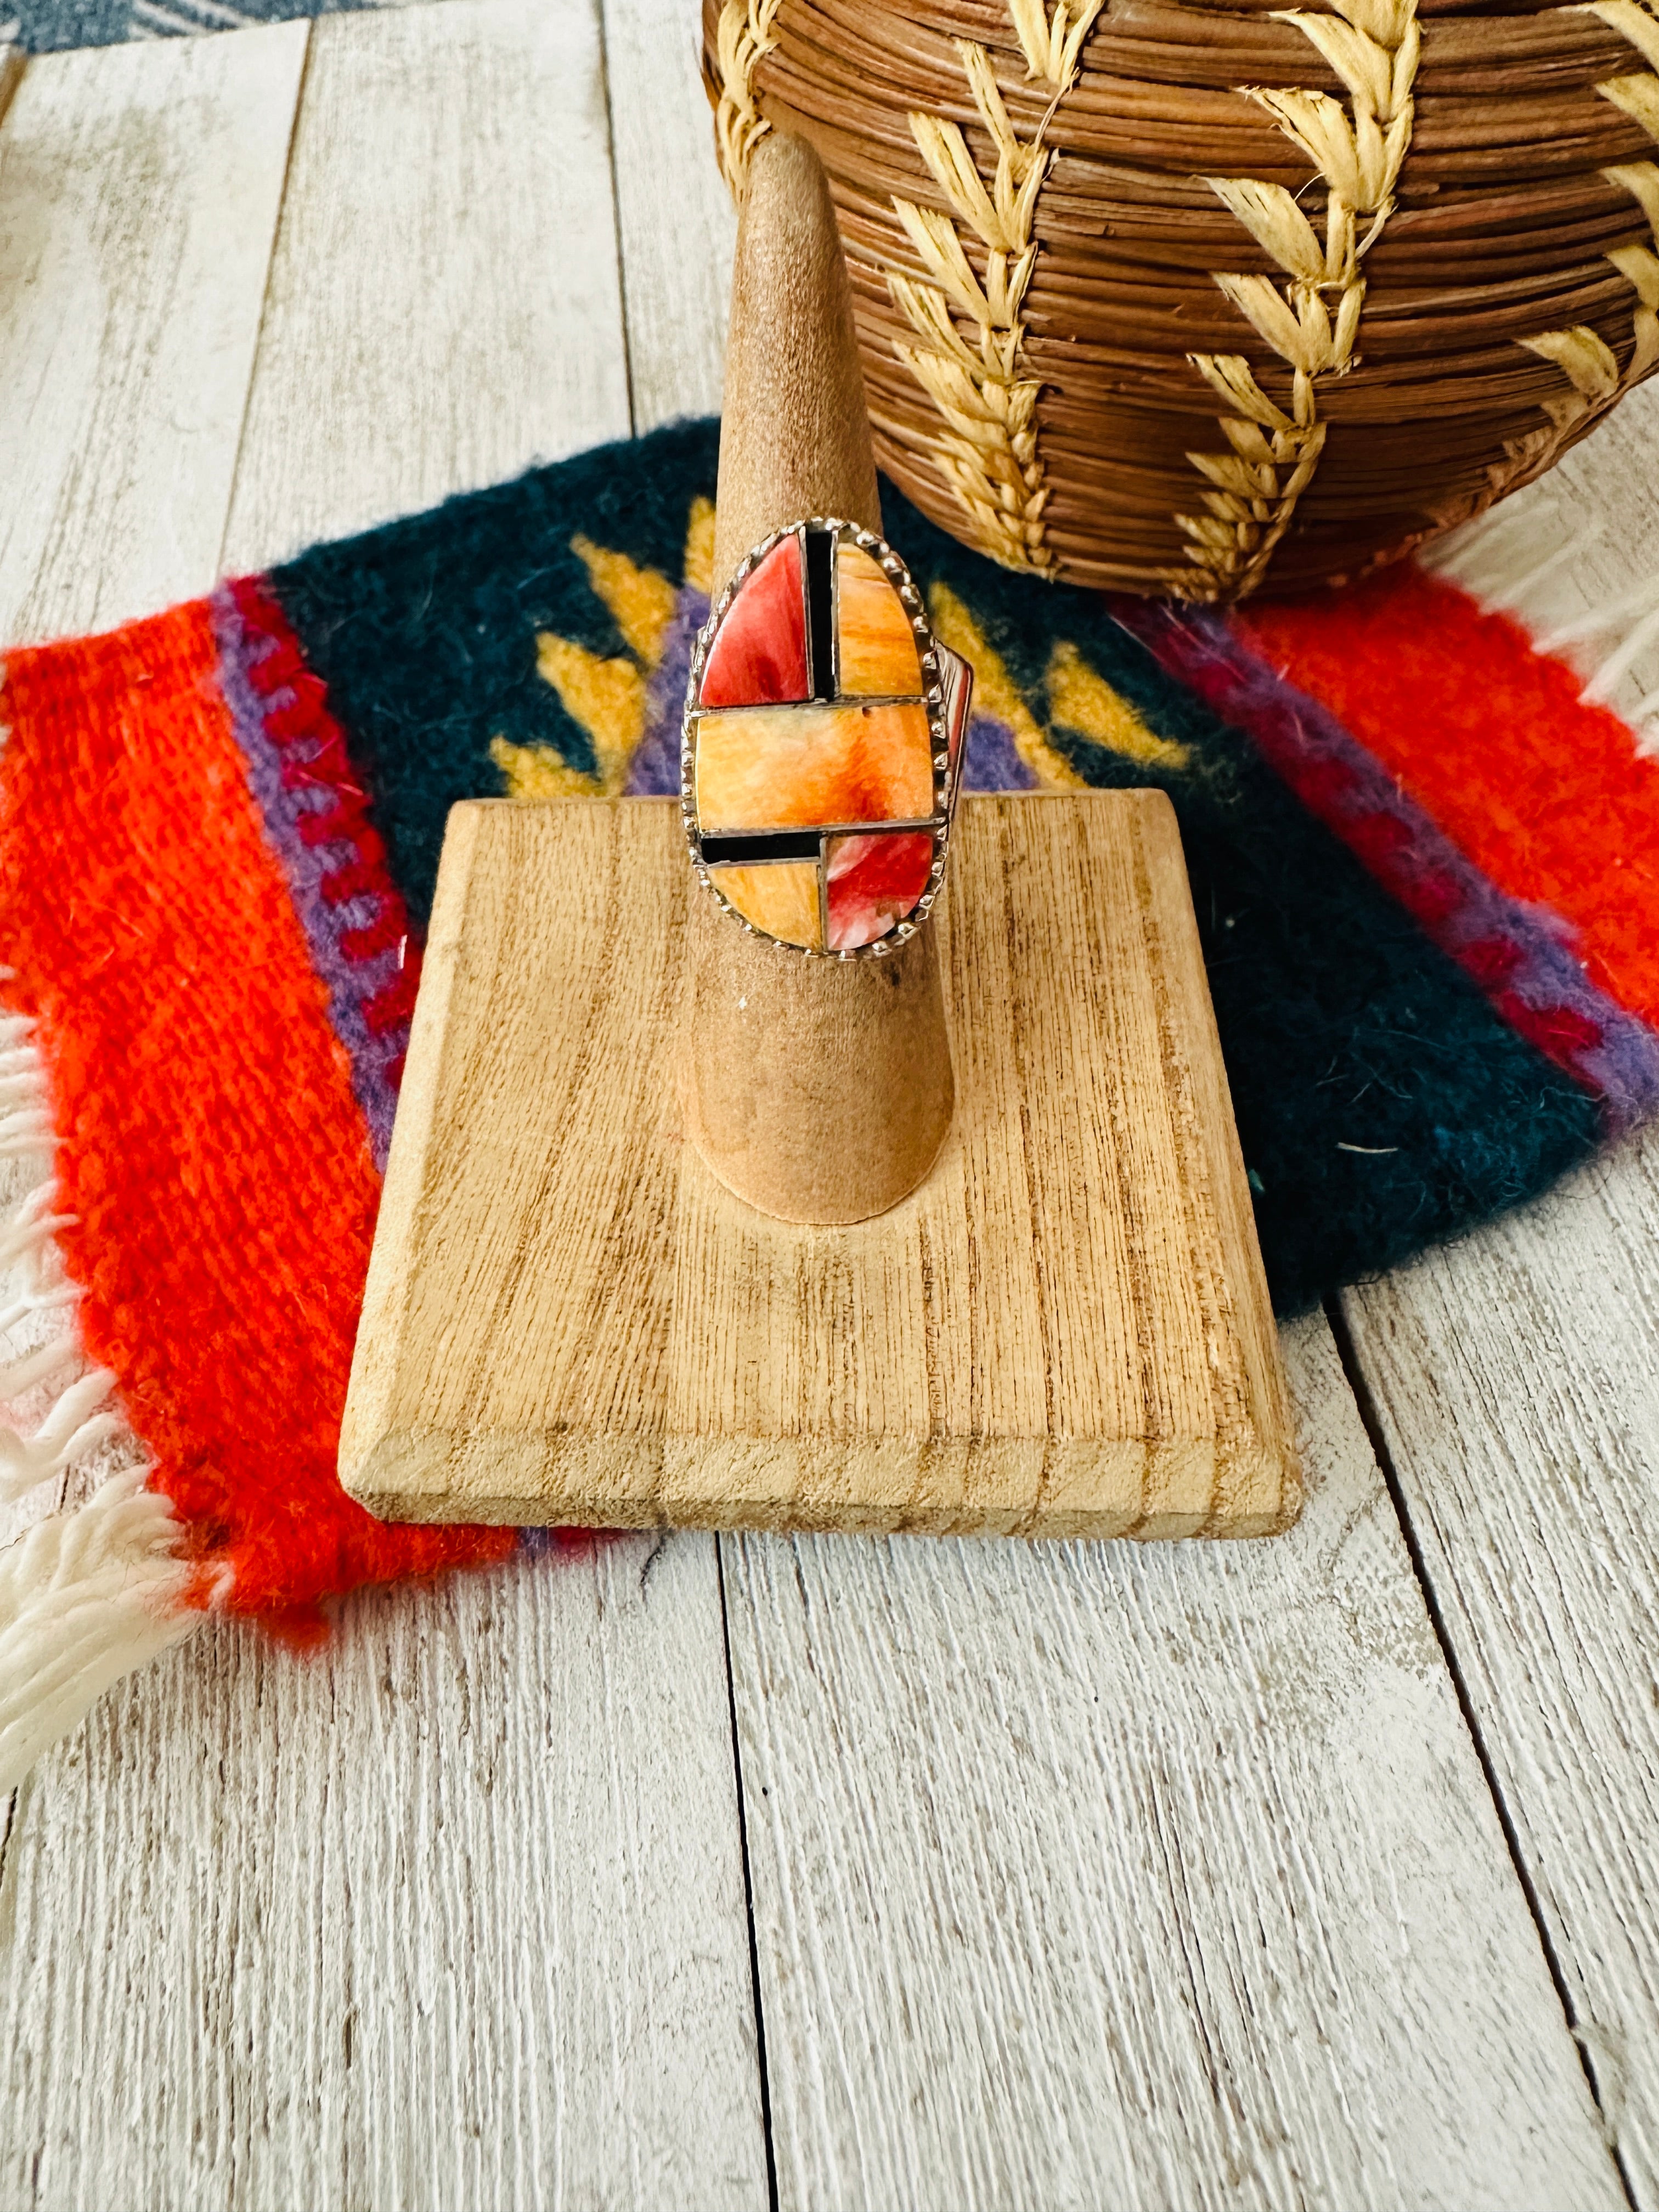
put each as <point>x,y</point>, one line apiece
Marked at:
<point>89,1593</point>
<point>1526,559</point>
<point>85,1597</point>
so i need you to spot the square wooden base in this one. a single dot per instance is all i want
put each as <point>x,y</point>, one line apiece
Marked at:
<point>1065,1332</point>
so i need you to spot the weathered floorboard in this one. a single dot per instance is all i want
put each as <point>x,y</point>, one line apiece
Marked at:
<point>451,1915</point>
<point>1018,1945</point>
<point>860,1821</point>
<point>139,188</point>
<point>1514,1381</point>
<point>1149,1876</point>
<point>674,216</point>
<point>444,305</point>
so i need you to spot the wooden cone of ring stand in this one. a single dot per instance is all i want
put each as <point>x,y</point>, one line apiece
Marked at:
<point>818,1090</point>
<point>1043,1315</point>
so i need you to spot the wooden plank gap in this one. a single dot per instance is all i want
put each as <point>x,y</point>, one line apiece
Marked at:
<point>266,296</point>
<point>721,1543</point>
<point>676,226</point>
<point>621,264</point>
<point>444,308</point>
<point>140,186</point>
<point>1353,1368</point>
<point>1183,1847</point>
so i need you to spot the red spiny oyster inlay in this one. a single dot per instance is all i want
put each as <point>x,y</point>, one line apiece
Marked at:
<point>818,803</point>
<point>873,883</point>
<point>759,657</point>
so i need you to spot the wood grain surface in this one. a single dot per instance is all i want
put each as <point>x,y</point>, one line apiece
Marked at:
<point>139,190</point>
<point>450,1916</point>
<point>568,1980</point>
<point>1163,1876</point>
<point>445,306</point>
<point>1513,1379</point>
<point>447,1915</point>
<point>674,217</point>
<point>1065,1330</point>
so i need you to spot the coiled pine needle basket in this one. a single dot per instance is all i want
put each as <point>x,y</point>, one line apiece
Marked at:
<point>1177,297</point>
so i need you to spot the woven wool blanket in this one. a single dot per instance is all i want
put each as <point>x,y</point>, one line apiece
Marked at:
<point>1433,974</point>
<point>49,26</point>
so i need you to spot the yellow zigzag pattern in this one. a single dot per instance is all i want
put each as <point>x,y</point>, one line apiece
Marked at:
<point>606,696</point>
<point>1078,700</point>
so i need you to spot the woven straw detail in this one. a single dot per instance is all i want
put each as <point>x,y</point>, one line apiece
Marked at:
<point>968,328</point>
<point>1584,359</point>
<point>744,35</point>
<point>1311,321</point>
<point>1595,380</point>
<point>1503,214</point>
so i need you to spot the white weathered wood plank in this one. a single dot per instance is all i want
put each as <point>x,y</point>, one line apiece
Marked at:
<point>674,216</point>
<point>971,2060</point>
<point>1038,1983</point>
<point>452,1913</point>
<point>139,190</point>
<point>444,305</point>
<point>1516,1379</point>
<point>433,1920</point>
<point>1161,1876</point>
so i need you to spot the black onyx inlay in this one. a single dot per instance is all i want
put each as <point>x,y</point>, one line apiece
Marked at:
<point>821,611</point>
<point>761,845</point>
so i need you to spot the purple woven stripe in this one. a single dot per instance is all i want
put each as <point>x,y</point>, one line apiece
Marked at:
<point>349,983</point>
<point>1521,956</point>
<point>993,761</point>
<point>654,770</point>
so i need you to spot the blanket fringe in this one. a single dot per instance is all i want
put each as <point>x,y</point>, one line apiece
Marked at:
<point>1500,565</point>
<point>85,1597</point>
<point>88,1593</point>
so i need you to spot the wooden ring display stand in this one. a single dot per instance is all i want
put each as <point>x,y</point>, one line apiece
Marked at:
<point>841,1304</point>
<point>818,1090</point>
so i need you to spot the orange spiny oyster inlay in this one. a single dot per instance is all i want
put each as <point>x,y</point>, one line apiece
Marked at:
<point>823,731</point>
<point>793,768</point>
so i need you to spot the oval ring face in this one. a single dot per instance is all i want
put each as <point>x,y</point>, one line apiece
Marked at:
<point>822,745</point>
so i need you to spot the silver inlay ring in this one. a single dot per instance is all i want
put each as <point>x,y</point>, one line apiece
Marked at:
<point>822,745</point>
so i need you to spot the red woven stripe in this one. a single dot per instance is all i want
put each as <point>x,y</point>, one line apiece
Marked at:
<point>396,1004</point>
<point>1547,796</point>
<point>211,1151</point>
<point>302,720</point>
